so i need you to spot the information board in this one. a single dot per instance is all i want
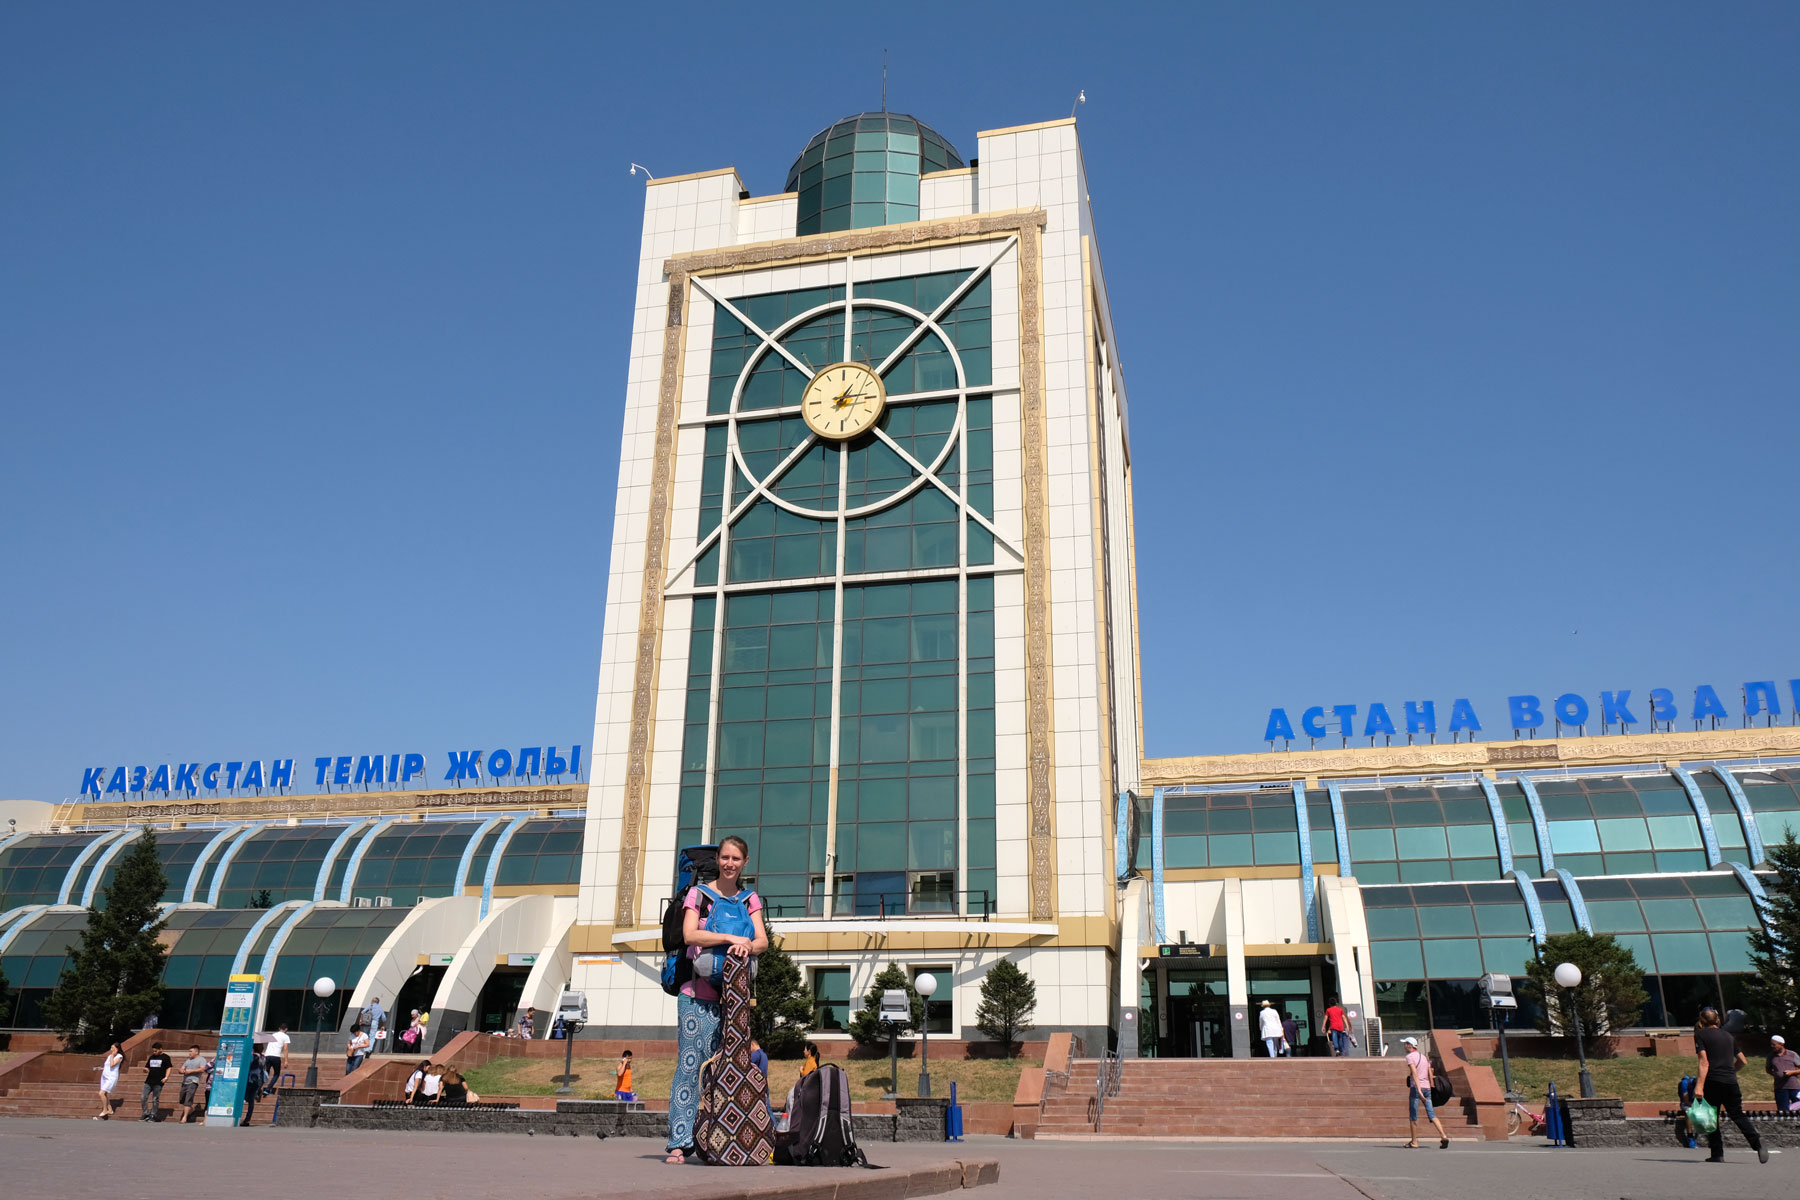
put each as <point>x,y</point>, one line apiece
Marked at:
<point>231,1066</point>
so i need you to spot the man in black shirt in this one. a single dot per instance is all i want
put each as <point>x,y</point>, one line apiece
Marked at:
<point>156,1069</point>
<point>1717,1081</point>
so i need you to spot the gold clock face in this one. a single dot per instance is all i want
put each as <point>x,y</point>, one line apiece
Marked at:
<point>843,400</point>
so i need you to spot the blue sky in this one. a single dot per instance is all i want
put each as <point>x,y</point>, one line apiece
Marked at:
<point>1461,345</point>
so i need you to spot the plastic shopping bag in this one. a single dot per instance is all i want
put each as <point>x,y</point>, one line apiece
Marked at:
<point>1702,1117</point>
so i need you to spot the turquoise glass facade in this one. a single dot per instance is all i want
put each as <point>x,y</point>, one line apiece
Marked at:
<point>1441,909</point>
<point>898,619</point>
<point>403,863</point>
<point>864,170</point>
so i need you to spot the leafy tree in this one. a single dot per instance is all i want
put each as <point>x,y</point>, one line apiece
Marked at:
<point>1773,992</point>
<point>113,979</point>
<point>1008,999</point>
<point>866,1026</point>
<point>1611,995</point>
<point>263,899</point>
<point>783,1014</point>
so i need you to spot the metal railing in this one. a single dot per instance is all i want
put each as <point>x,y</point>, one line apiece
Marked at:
<point>1110,1074</point>
<point>884,905</point>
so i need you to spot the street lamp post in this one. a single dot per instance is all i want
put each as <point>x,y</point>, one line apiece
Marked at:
<point>323,987</point>
<point>925,985</point>
<point>1568,977</point>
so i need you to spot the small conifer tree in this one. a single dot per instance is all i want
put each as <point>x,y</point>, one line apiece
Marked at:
<point>1772,992</point>
<point>113,979</point>
<point>783,1014</point>
<point>1611,995</point>
<point>1008,999</point>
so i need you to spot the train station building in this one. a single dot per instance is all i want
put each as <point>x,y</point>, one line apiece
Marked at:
<point>871,606</point>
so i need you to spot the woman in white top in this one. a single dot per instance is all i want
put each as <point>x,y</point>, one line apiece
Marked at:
<point>358,1049</point>
<point>109,1080</point>
<point>415,1086</point>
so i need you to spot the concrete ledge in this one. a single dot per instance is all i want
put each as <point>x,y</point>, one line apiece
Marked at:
<point>302,1108</point>
<point>1602,1123</point>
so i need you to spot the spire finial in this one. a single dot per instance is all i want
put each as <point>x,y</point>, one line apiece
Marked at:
<point>884,79</point>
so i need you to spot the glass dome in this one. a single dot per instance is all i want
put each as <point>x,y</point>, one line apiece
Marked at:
<point>864,170</point>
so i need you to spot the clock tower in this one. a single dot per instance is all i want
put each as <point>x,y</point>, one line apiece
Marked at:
<point>871,597</point>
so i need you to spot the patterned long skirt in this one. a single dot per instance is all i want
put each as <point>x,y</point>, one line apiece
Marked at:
<point>698,1040</point>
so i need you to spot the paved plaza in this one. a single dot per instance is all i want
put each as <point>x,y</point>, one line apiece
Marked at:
<point>79,1160</point>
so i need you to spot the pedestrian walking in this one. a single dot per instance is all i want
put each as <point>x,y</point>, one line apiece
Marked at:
<point>1717,1080</point>
<point>1418,1091</point>
<point>193,1074</point>
<point>374,1019</point>
<point>528,1023</point>
<point>809,1059</point>
<point>1290,1033</point>
<point>156,1069</point>
<point>622,1078</point>
<point>1268,1028</point>
<point>1784,1066</point>
<point>697,1011</point>
<point>1337,1029</point>
<point>255,1085</point>
<point>413,1037</point>
<point>276,1051</point>
<point>110,1065</point>
<point>357,1051</point>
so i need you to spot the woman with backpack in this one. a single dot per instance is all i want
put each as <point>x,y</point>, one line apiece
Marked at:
<point>723,918</point>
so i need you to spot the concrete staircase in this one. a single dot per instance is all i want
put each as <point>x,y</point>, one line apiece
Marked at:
<point>67,1085</point>
<point>1222,1097</point>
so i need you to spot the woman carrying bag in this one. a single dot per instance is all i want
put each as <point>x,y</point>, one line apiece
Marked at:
<point>697,1010</point>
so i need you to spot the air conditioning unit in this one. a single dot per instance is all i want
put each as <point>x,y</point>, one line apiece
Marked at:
<point>361,902</point>
<point>421,900</point>
<point>1372,1031</point>
<point>384,902</point>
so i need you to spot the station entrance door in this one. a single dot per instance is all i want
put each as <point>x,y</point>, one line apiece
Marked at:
<point>498,1005</point>
<point>1196,1015</point>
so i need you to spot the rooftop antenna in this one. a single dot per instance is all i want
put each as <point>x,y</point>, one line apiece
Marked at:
<point>635,168</point>
<point>1080,99</point>
<point>884,79</point>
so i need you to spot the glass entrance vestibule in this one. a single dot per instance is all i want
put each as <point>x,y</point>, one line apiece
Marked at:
<point>1188,1010</point>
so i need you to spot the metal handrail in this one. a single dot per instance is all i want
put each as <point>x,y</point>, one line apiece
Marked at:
<point>982,909</point>
<point>1111,1073</point>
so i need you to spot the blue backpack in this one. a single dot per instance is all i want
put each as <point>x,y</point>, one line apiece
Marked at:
<point>719,914</point>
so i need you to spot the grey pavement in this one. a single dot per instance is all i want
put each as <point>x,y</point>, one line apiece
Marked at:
<point>79,1160</point>
<point>1333,1170</point>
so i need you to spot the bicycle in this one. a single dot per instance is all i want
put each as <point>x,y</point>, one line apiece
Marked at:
<point>1519,1117</point>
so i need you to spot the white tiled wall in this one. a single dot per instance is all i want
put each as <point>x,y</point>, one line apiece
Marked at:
<point>767,218</point>
<point>1041,167</point>
<point>947,194</point>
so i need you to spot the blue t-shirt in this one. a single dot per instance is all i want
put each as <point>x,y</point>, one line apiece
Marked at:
<point>760,1061</point>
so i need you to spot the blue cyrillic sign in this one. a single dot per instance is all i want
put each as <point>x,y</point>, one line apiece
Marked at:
<point>341,770</point>
<point>1525,713</point>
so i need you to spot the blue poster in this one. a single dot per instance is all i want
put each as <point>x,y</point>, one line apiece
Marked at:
<point>231,1066</point>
